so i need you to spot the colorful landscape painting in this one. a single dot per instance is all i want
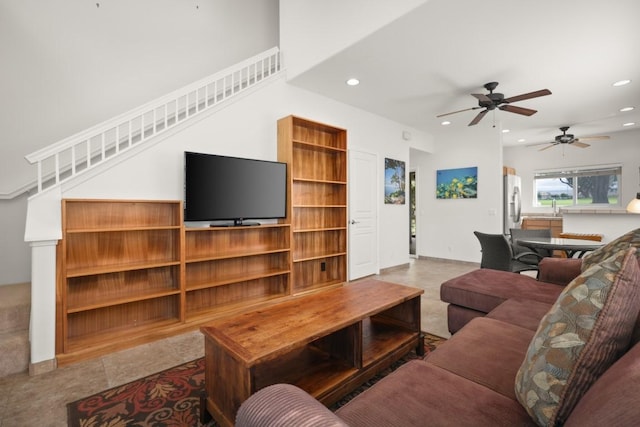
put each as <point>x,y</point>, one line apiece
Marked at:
<point>461,183</point>
<point>394,182</point>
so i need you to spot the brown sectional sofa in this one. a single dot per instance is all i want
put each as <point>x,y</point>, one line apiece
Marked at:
<point>477,293</point>
<point>469,380</point>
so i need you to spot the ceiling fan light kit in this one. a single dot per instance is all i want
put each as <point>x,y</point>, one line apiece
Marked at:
<point>491,101</point>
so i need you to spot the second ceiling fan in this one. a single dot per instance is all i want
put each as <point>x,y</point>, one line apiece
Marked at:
<point>570,139</point>
<point>491,101</point>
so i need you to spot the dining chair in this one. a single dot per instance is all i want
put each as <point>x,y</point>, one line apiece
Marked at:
<point>527,255</point>
<point>497,254</point>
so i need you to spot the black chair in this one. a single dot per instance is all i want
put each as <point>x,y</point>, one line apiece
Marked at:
<point>497,254</point>
<point>528,255</point>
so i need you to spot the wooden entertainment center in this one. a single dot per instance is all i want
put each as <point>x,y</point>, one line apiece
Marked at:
<point>129,271</point>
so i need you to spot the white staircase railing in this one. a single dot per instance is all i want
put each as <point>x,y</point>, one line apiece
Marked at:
<point>85,150</point>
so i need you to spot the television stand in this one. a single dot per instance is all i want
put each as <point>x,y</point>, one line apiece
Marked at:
<point>237,223</point>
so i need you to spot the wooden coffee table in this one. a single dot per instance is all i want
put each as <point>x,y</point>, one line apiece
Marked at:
<point>326,343</point>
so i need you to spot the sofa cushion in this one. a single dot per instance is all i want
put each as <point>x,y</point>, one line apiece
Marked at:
<point>458,316</point>
<point>420,394</point>
<point>585,331</point>
<point>525,313</point>
<point>630,239</point>
<point>484,289</point>
<point>613,399</point>
<point>486,351</point>
<point>560,271</point>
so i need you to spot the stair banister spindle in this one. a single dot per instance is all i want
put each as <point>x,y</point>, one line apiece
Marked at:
<point>88,153</point>
<point>39,164</point>
<point>129,137</point>
<point>57,167</point>
<point>141,127</point>
<point>103,150</point>
<point>73,160</point>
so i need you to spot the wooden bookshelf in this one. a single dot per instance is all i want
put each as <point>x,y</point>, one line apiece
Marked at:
<point>129,272</point>
<point>316,155</point>
<point>120,269</point>
<point>231,267</point>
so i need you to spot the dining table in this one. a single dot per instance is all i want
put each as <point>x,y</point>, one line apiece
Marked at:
<point>571,247</point>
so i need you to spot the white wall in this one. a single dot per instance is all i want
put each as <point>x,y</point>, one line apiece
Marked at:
<point>445,227</point>
<point>15,253</point>
<point>311,30</point>
<point>623,148</point>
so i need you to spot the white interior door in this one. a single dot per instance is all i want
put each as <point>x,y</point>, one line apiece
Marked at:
<point>363,219</point>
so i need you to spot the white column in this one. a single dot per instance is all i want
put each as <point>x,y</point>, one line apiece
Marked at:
<point>42,333</point>
<point>43,231</point>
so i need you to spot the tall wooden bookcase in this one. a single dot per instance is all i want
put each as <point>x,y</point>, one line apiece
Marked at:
<point>316,155</point>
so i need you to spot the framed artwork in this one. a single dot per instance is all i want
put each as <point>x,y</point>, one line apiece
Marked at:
<point>461,183</point>
<point>394,182</point>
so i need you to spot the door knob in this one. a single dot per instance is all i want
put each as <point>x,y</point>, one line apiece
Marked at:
<point>353,221</point>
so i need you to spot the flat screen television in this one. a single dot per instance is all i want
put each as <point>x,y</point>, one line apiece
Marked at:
<point>221,188</point>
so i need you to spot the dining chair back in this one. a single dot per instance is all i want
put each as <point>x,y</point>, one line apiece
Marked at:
<point>497,254</point>
<point>525,254</point>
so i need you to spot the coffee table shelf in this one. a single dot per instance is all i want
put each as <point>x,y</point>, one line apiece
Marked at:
<point>326,343</point>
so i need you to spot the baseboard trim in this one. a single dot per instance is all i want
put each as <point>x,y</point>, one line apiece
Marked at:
<point>395,267</point>
<point>42,367</point>
<point>452,261</point>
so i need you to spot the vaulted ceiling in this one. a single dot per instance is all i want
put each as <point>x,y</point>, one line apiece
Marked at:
<point>431,60</point>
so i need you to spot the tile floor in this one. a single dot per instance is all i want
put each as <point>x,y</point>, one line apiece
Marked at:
<point>41,400</point>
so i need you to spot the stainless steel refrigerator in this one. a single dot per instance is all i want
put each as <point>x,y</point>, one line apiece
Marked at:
<point>512,202</point>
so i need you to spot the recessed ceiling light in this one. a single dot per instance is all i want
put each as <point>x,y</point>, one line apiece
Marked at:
<point>445,123</point>
<point>629,124</point>
<point>521,140</point>
<point>353,82</point>
<point>622,82</point>
<point>505,131</point>
<point>622,110</point>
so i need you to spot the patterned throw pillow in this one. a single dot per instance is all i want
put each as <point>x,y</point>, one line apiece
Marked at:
<point>630,239</point>
<point>587,329</point>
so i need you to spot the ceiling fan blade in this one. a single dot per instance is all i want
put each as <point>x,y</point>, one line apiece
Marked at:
<point>518,110</point>
<point>538,144</point>
<point>459,111</point>
<point>481,97</point>
<point>542,92</point>
<point>580,144</point>
<point>548,146</point>
<point>478,117</point>
<point>592,138</point>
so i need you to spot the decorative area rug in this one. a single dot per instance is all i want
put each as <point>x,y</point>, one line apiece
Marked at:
<point>172,397</point>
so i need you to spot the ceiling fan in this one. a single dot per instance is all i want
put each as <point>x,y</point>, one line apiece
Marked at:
<point>491,101</point>
<point>570,139</point>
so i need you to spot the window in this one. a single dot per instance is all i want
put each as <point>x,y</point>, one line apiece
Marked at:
<point>574,187</point>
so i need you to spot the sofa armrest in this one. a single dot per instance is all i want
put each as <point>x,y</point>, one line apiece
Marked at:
<point>560,271</point>
<point>285,405</point>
